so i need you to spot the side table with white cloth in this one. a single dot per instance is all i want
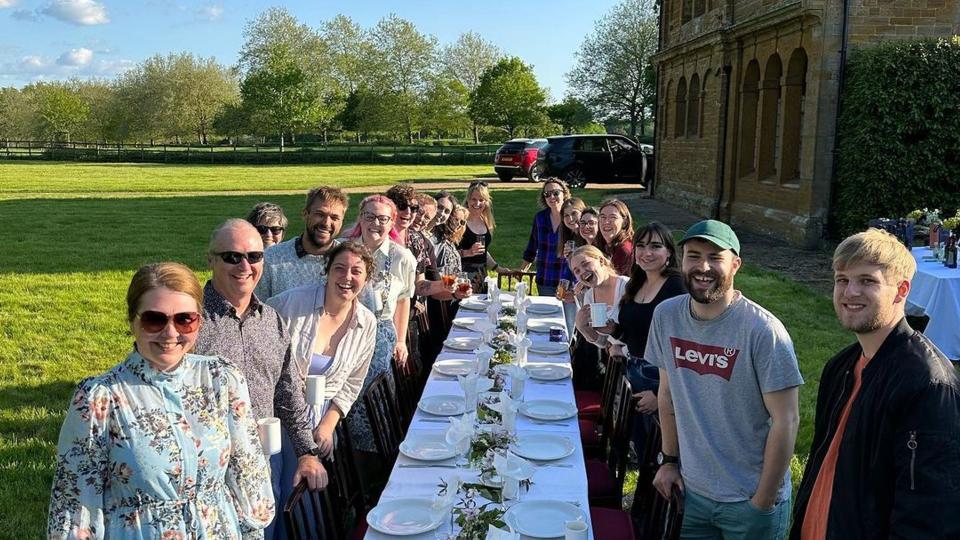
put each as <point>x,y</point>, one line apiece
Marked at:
<point>563,480</point>
<point>935,292</point>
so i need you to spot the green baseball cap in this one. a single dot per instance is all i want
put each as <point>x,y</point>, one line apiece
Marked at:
<point>714,231</point>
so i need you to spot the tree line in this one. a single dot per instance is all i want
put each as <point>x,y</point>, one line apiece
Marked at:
<point>389,82</point>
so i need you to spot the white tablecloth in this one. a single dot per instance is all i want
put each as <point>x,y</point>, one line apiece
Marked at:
<point>561,480</point>
<point>935,291</point>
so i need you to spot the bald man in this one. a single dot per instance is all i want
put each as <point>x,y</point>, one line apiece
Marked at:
<point>238,327</point>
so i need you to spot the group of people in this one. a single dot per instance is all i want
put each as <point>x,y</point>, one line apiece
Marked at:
<point>165,444</point>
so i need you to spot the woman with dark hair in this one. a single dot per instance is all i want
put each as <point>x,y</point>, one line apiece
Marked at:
<point>544,247</point>
<point>164,444</point>
<point>616,231</point>
<point>446,202</point>
<point>655,278</point>
<point>589,226</point>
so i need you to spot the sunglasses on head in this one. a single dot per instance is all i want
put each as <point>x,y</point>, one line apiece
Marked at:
<point>154,321</point>
<point>234,257</point>
<point>275,230</point>
<point>480,183</point>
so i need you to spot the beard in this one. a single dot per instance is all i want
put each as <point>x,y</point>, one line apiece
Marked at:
<point>317,240</point>
<point>862,323</point>
<point>721,284</point>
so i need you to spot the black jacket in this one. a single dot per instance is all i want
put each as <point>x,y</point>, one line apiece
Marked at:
<point>898,468</point>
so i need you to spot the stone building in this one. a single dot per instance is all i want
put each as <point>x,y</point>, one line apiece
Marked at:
<point>748,100</point>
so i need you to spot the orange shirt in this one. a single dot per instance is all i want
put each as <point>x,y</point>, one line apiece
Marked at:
<point>818,507</point>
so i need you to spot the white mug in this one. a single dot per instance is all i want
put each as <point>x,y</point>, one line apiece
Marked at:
<point>598,314</point>
<point>269,431</point>
<point>316,388</point>
<point>575,530</point>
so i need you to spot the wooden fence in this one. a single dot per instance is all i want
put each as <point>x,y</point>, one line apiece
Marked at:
<point>246,155</point>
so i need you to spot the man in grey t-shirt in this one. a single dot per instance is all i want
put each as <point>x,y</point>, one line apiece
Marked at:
<point>728,397</point>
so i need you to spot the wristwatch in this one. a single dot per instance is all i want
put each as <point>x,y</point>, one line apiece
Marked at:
<point>663,459</point>
<point>315,452</point>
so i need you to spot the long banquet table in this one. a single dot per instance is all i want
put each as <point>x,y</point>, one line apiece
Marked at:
<point>935,290</point>
<point>560,480</point>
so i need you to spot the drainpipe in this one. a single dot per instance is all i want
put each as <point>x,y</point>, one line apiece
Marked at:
<point>724,116</point>
<point>656,102</point>
<point>841,81</point>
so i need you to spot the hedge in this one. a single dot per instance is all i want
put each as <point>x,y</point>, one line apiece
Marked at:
<point>899,139</point>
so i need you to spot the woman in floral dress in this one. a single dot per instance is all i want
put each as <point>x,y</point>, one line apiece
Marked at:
<point>163,445</point>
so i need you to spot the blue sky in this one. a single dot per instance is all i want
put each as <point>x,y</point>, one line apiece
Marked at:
<point>59,39</point>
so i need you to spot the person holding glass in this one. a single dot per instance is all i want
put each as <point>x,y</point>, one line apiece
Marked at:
<point>164,444</point>
<point>478,235</point>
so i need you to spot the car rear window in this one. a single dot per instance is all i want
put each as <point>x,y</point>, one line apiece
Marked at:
<point>512,146</point>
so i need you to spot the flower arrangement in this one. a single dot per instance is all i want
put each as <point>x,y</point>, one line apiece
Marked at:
<point>507,324</point>
<point>508,311</point>
<point>485,414</point>
<point>952,223</point>
<point>473,518</point>
<point>931,216</point>
<point>502,356</point>
<point>485,442</point>
<point>915,215</point>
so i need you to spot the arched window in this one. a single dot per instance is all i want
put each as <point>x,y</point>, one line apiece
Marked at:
<point>703,100</point>
<point>748,118</point>
<point>795,89</point>
<point>770,118</point>
<point>693,106</point>
<point>681,116</point>
<point>665,120</point>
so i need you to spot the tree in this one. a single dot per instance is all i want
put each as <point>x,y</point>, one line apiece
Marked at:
<point>409,60</point>
<point>284,64</point>
<point>232,120</point>
<point>60,109</point>
<point>16,114</point>
<point>350,54</point>
<point>571,114</point>
<point>508,97</point>
<point>612,74</point>
<point>445,106</point>
<point>466,60</point>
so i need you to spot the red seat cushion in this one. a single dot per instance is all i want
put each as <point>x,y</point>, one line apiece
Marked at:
<point>611,524</point>
<point>600,485</point>
<point>361,529</point>
<point>588,403</point>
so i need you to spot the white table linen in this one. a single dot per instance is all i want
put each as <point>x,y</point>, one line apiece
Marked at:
<point>563,480</point>
<point>935,292</point>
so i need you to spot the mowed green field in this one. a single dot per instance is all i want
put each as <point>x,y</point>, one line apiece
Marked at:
<point>69,258</point>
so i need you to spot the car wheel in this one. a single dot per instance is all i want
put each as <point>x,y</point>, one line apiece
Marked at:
<point>534,173</point>
<point>505,176</point>
<point>575,178</point>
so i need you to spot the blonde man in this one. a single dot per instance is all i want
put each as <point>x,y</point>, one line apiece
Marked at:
<point>885,459</point>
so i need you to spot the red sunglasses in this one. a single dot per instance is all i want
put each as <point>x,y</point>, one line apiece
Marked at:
<point>154,321</point>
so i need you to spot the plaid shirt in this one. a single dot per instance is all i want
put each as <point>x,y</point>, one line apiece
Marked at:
<point>543,248</point>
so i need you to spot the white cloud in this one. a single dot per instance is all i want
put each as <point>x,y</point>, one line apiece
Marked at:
<point>33,63</point>
<point>76,57</point>
<point>25,15</point>
<point>210,12</point>
<point>80,12</point>
<point>7,3</point>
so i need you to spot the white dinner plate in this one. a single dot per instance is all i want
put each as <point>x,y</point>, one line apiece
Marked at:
<point>427,446</point>
<point>543,309</point>
<point>550,347</point>
<point>464,322</point>
<point>542,519</point>
<point>455,367</point>
<point>463,343</point>
<point>548,409</point>
<point>548,372</point>
<point>541,327</point>
<point>405,517</point>
<point>473,304</point>
<point>443,405</point>
<point>542,446</point>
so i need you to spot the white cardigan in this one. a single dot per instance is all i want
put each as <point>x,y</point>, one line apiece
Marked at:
<point>300,309</point>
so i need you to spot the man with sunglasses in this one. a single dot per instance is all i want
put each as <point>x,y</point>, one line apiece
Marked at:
<point>239,327</point>
<point>302,260</point>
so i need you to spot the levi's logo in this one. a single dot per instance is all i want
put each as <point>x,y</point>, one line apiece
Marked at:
<point>704,359</point>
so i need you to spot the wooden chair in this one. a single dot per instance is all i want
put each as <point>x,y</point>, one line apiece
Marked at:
<point>595,431</point>
<point>654,516</point>
<point>302,514</point>
<point>409,385</point>
<point>519,276</point>
<point>605,477</point>
<point>384,419</point>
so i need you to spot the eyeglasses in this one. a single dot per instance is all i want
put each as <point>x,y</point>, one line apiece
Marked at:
<point>370,217</point>
<point>588,222</point>
<point>479,183</point>
<point>553,193</point>
<point>264,229</point>
<point>403,206</point>
<point>234,257</point>
<point>154,321</point>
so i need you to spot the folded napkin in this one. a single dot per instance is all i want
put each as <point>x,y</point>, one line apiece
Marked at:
<point>518,380</point>
<point>493,291</point>
<point>512,468</point>
<point>522,319</point>
<point>484,354</point>
<point>522,291</point>
<point>443,502</point>
<point>493,312</point>
<point>494,533</point>
<point>507,408</point>
<point>522,344</point>
<point>461,431</point>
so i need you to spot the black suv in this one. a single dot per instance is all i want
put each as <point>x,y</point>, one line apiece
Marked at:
<point>578,159</point>
<point>518,157</point>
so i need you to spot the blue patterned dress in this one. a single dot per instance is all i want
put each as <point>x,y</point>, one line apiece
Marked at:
<point>160,455</point>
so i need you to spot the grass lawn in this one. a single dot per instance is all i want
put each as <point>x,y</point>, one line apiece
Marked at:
<point>32,178</point>
<point>68,261</point>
